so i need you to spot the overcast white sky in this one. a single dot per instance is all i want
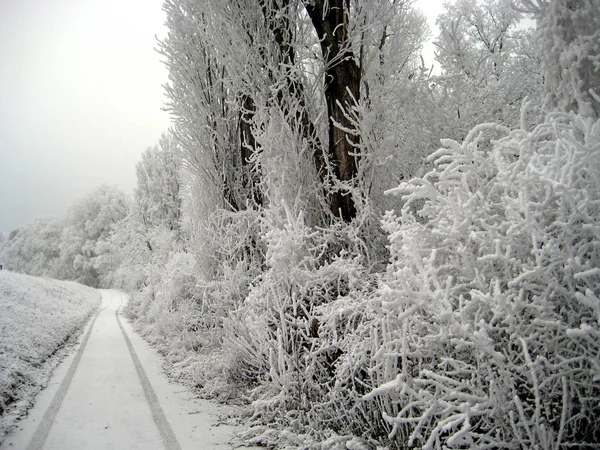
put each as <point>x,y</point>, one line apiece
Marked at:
<point>80,98</point>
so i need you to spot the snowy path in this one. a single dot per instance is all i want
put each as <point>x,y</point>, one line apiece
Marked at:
<point>108,395</point>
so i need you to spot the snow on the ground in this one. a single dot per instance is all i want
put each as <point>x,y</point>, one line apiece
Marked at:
<point>38,318</point>
<point>112,393</point>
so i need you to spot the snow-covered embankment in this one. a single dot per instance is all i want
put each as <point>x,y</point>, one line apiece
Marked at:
<point>38,317</point>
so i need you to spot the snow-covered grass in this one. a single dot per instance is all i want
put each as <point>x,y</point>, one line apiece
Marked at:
<point>39,316</point>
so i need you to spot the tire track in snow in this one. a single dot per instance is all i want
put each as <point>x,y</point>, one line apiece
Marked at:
<point>166,432</point>
<point>43,429</point>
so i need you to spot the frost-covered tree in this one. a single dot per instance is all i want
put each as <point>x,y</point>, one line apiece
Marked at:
<point>34,248</point>
<point>476,38</point>
<point>489,64</point>
<point>259,117</point>
<point>569,31</point>
<point>122,258</point>
<point>246,60</point>
<point>394,113</point>
<point>89,221</point>
<point>205,119</point>
<point>69,247</point>
<point>157,195</point>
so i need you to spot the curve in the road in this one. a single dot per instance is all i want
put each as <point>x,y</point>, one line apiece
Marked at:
<point>42,431</point>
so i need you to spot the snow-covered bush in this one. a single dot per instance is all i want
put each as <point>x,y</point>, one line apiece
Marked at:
<point>273,337</point>
<point>255,331</point>
<point>173,287</point>
<point>486,331</point>
<point>166,273</point>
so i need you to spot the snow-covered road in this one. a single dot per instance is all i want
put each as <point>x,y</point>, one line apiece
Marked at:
<point>111,394</point>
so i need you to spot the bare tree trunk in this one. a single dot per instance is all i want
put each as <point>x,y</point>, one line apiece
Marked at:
<point>342,89</point>
<point>281,26</point>
<point>250,181</point>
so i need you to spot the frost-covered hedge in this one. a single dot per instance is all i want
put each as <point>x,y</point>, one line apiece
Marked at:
<point>38,316</point>
<point>486,331</point>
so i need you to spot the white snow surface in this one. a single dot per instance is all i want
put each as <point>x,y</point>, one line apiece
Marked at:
<point>112,393</point>
<point>40,320</point>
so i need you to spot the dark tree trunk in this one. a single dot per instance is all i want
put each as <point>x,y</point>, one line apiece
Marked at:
<point>342,89</point>
<point>250,180</point>
<point>291,100</point>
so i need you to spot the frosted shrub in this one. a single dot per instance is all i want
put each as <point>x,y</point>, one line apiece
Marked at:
<point>237,253</point>
<point>255,331</point>
<point>486,332</point>
<point>274,336</point>
<point>144,255</point>
<point>169,313</point>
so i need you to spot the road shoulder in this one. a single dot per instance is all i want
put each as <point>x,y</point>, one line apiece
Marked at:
<point>196,422</point>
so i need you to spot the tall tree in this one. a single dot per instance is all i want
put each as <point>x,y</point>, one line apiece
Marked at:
<point>204,113</point>
<point>90,220</point>
<point>489,65</point>
<point>272,100</point>
<point>342,91</point>
<point>34,248</point>
<point>243,56</point>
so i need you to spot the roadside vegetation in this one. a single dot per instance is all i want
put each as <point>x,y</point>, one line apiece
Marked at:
<point>364,252</point>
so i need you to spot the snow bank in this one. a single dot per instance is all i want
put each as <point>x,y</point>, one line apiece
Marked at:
<point>39,316</point>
